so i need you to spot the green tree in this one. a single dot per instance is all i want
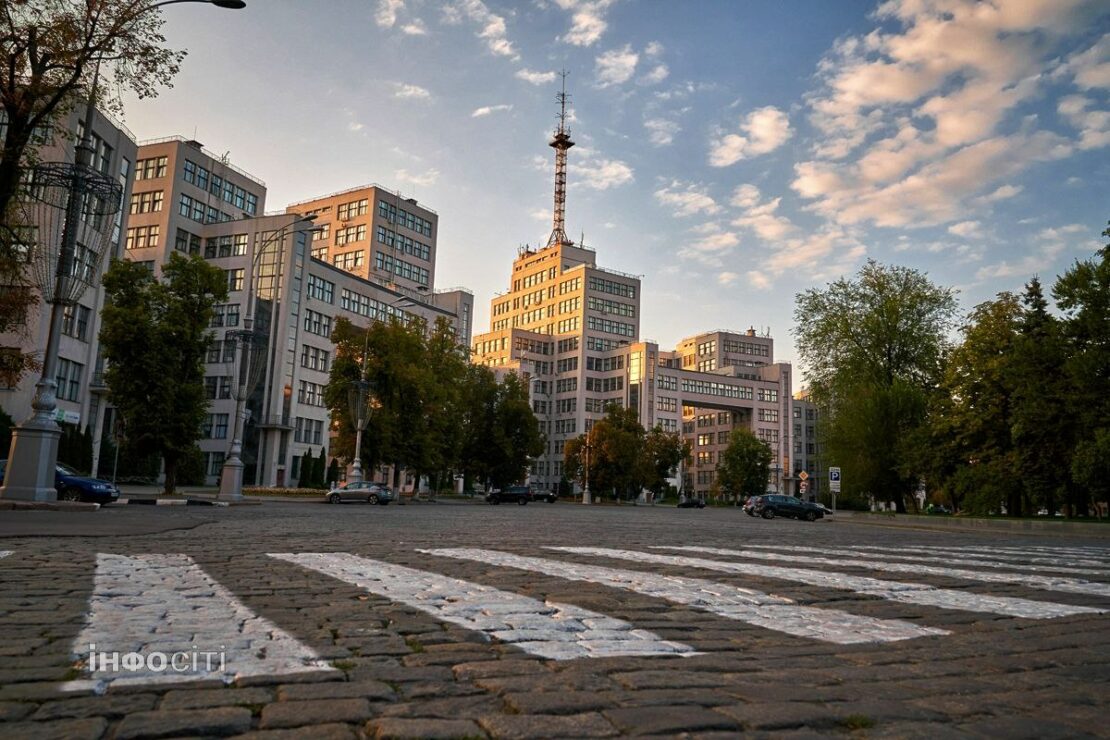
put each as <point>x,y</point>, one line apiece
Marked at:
<point>744,465</point>
<point>333,473</point>
<point>873,349</point>
<point>155,334</point>
<point>516,435</point>
<point>478,421</point>
<point>663,451</point>
<point>617,461</point>
<point>1083,295</point>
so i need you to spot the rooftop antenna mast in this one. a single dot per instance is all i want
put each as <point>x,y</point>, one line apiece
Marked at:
<point>561,142</point>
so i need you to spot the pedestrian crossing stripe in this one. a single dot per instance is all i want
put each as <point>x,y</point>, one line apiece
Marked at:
<point>5,553</point>
<point>740,604</point>
<point>981,562</point>
<point>985,556</point>
<point>1044,583</point>
<point>907,593</point>
<point>545,629</point>
<point>146,605</point>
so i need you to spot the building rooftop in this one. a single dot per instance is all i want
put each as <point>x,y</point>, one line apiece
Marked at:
<point>221,158</point>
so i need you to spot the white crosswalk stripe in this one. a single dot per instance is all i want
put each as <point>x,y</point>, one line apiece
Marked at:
<point>549,630</point>
<point>934,557</point>
<point>5,553</point>
<point>741,604</point>
<point>908,593</point>
<point>166,605</point>
<point>987,555</point>
<point>1046,583</point>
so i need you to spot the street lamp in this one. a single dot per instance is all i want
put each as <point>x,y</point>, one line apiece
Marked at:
<point>586,491</point>
<point>249,346</point>
<point>87,199</point>
<point>361,401</point>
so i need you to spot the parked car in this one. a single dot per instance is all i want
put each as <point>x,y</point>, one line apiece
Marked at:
<point>937,509</point>
<point>691,502</point>
<point>371,493</point>
<point>72,486</point>
<point>749,505</point>
<point>772,505</point>
<point>520,494</point>
<point>548,496</point>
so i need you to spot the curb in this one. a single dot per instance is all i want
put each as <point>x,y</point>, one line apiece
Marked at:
<point>166,502</point>
<point>72,506</point>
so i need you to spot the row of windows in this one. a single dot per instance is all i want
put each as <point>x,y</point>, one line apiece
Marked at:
<point>195,174</point>
<point>75,321</point>
<point>352,209</point>
<point>317,323</point>
<point>769,395</point>
<point>68,378</point>
<point>220,351</point>
<point>150,169</point>
<point>570,305</point>
<point>568,325</point>
<point>666,383</point>
<point>567,364</point>
<point>404,243</point>
<point>532,346</point>
<point>570,286</point>
<point>231,245</point>
<point>610,327</point>
<point>310,394</point>
<point>217,386</point>
<point>348,260</point>
<point>613,288</point>
<point>149,201</point>
<point>214,426</point>
<point>601,344</point>
<point>227,315</point>
<point>595,405</point>
<point>320,289</point>
<point>529,317</point>
<point>713,388</point>
<point>747,348</point>
<point>565,426</point>
<point>314,358</point>
<point>566,385</point>
<point>666,403</point>
<point>407,270</point>
<point>768,435</point>
<point>566,405</point>
<point>140,237</point>
<point>567,345</point>
<point>605,385</point>
<point>362,305</point>
<point>707,348</point>
<point>768,414</point>
<point>410,221</point>
<point>606,306</point>
<point>196,210</point>
<point>308,431</point>
<point>491,345</point>
<point>187,242</point>
<point>349,234</point>
<point>705,366</point>
<point>604,364</point>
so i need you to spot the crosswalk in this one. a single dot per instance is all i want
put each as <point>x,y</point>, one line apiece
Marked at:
<point>162,617</point>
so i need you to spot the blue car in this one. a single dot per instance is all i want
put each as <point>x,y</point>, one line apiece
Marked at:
<point>72,486</point>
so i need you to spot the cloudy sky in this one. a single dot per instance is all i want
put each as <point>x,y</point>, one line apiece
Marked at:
<point>730,153</point>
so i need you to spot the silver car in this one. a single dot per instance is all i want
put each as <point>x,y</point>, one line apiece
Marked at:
<point>371,493</point>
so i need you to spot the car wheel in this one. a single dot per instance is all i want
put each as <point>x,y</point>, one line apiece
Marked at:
<point>768,513</point>
<point>334,499</point>
<point>811,516</point>
<point>71,494</point>
<point>372,499</point>
<point>551,500</point>
<point>494,500</point>
<point>522,501</point>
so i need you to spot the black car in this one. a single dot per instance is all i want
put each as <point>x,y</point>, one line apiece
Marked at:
<point>548,496</point>
<point>691,502</point>
<point>520,494</point>
<point>773,504</point>
<point>72,486</point>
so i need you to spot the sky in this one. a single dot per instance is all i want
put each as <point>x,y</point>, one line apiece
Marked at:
<point>730,153</point>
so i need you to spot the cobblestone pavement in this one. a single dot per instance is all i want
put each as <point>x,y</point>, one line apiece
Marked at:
<point>542,621</point>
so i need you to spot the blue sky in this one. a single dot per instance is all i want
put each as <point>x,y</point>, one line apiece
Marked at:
<point>731,153</point>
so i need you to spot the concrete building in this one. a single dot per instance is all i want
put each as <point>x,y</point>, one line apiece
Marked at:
<point>573,329</point>
<point>373,232</point>
<point>807,450</point>
<point>80,399</point>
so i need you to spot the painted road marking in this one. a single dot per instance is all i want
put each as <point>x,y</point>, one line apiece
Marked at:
<point>909,593</point>
<point>740,604</point>
<point>934,557</point>
<point>5,553</point>
<point>978,553</point>
<point>146,606</point>
<point>1046,583</point>
<point>547,629</point>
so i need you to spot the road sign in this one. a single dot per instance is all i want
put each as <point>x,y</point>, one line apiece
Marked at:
<point>834,480</point>
<point>803,475</point>
<point>803,487</point>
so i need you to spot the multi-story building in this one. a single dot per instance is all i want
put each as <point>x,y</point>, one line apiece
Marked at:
<point>373,232</point>
<point>572,328</point>
<point>80,388</point>
<point>806,447</point>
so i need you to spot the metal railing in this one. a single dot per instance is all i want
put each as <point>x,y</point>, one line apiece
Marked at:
<point>217,157</point>
<point>396,194</point>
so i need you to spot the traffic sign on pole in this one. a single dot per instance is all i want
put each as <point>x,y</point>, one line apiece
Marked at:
<point>834,480</point>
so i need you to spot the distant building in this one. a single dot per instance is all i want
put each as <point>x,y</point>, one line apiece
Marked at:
<point>806,447</point>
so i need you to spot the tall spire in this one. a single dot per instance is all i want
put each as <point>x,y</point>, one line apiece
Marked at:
<point>561,142</point>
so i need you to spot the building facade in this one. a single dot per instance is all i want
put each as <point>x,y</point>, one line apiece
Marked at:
<point>80,387</point>
<point>807,449</point>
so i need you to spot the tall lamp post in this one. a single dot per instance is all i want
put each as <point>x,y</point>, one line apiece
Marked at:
<point>586,491</point>
<point>361,401</point>
<point>89,197</point>
<point>250,344</point>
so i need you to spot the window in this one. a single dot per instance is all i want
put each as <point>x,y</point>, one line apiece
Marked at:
<point>215,426</point>
<point>140,237</point>
<point>769,395</point>
<point>613,288</point>
<point>610,327</point>
<point>234,279</point>
<point>84,263</point>
<point>252,204</point>
<point>348,260</point>
<point>317,323</point>
<point>187,242</point>
<point>310,394</point>
<point>722,438</point>
<point>350,234</point>
<point>308,431</point>
<point>797,412</point>
<point>190,208</point>
<point>233,245</point>
<point>149,201</point>
<point>321,232</point>
<point>704,440</point>
<point>605,385</point>
<point>407,270</point>
<point>75,322</point>
<point>217,386</point>
<point>566,405</point>
<point>666,383</point>
<point>68,378</point>
<point>665,403</point>
<point>215,462</point>
<point>352,209</point>
<point>606,306</point>
<point>320,289</point>
<point>567,345</point>
<point>768,414</point>
<point>227,315</point>
<point>314,358</point>
<point>150,169</point>
<point>566,385</point>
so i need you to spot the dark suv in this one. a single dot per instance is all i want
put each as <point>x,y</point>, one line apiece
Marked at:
<point>521,494</point>
<point>771,505</point>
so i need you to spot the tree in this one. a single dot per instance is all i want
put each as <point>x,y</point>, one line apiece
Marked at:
<point>155,334</point>
<point>616,453</point>
<point>744,465</point>
<point>516,436</point>
<point>333,473</point>
<point>663,451</point>
<point>50,50</point>
<point>873,348</point>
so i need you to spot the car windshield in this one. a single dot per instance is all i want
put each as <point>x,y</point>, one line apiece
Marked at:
<point>65,470</point>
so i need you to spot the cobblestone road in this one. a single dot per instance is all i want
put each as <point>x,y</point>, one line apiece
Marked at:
<point>557,620</point>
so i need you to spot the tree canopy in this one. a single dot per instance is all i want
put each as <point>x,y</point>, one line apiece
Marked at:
<point>745,465</point>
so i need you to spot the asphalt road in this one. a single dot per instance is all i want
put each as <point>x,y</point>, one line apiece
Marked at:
<point>544,620</point>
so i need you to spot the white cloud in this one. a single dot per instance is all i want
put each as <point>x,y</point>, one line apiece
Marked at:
<point>406,91</point>
<point>587,20</point>
<point>758,280</point>
<point>1091,67</point>
<point>661,132</point>
<point>602,174</point>
<point>759,216</point>
<point>493,30</point>
<point>686,199</point>
<point>719,242</point>
<point>415,28</point>
<point>535,78</point>
<point>1004,192</point>
<point>616,66</point>
<point>429,177</point>
<point>485,110</point>
<point>541,214</point>
<point>656,75</point>
<point>653,49</point>
<point>967,229</point>
<point>745,196</point>
<point>726,278</point>
<point>355,126</point>
<point>386,14</point>
<point>765,129</point>
<point>1093,124</point>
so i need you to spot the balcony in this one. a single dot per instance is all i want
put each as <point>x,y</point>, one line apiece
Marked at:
<point>275,421</point>
<point>97,383</point>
